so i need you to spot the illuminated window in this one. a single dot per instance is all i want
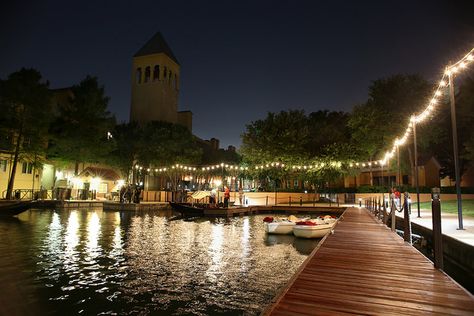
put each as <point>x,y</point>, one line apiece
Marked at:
<point>102,188</point>
<point>156,73</point>
<point>3,165</point>
<point>147,74</point>
<point>138,75</point>
<point>27,167</point>
<point>295,184</point>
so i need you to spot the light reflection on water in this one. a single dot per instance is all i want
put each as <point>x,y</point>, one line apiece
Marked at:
<point>93,262</point>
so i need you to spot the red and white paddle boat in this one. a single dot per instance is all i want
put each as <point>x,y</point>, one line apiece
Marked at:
<point>280,226</point>
<point>314,228</point>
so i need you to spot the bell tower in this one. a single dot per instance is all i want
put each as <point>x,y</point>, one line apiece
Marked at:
<point>155,83</point>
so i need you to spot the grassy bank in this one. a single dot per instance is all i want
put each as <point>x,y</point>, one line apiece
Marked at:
<point>451,207</point>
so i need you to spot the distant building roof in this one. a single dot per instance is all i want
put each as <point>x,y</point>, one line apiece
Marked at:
<point>155,45</point>
<point>103,173</point>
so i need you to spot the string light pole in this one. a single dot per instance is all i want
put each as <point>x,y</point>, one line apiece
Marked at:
<point>416,167</point>
<point>450,71</point>
<point>398,164</point>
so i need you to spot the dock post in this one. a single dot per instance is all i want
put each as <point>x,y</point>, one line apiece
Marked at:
<point>337,199</point>
<point>379,208</point>
<point>406,220</point>
<point>437,234</point>
<point>266,201</point>
<point>289,200</point>
<point>394,217</point>
<point>301,200</point>
<point>384,210</point>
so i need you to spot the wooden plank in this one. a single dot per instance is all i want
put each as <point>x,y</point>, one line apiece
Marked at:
<point>364,268</point>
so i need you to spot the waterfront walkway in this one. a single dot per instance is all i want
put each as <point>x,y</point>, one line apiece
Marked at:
<point>364,268</point>
<point>449,224</point>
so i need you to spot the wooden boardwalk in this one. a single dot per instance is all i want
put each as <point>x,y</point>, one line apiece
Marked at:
<point>364,268</point>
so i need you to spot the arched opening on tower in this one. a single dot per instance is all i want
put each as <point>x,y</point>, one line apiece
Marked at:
<point>138,75</point>
<point>156,73</point>
<point>147,74</point>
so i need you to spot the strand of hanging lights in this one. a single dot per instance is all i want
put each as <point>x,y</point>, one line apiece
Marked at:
<point>434,101</point>
<point>455,68</point>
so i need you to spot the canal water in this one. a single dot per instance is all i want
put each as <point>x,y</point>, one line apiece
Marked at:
<point>91,262</point>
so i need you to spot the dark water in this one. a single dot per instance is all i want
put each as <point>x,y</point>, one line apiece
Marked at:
<point>97,262</point>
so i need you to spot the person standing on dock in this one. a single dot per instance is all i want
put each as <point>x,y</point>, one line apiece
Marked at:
<point>241,195</point>
<point>212,197</point>
<point>226,196</point>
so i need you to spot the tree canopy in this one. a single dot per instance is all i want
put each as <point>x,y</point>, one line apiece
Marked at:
<point>26,111</point>
<point>80,129</point>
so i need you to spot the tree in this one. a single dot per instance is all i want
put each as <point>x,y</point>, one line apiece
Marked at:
<point>279,137</point>
<point>126,146</point>
<point>26,112</point>
<point>164,142</point>
<point>293,138</point>
<point>80,130</point>
<point>386,114</point>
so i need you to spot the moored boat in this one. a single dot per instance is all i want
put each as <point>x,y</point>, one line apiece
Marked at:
<point>280,226</point>
<point>315,228</point>
<point>11,208</point>
<point>187,209</point>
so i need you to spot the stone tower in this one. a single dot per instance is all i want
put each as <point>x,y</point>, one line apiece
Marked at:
<point>155,84</point>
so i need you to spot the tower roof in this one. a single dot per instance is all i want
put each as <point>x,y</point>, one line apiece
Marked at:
<point>155,45</point>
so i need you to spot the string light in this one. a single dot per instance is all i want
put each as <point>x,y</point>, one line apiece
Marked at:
<point>399,141</point>
<point>460,64</point>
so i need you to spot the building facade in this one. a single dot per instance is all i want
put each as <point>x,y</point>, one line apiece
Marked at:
<point>155,85</point>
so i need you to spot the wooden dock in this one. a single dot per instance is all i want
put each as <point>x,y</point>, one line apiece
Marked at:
<point>364,268</point>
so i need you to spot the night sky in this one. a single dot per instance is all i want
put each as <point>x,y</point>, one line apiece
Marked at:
<point>239,60</point>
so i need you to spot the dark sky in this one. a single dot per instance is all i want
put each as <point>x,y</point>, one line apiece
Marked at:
<point>239,59</point>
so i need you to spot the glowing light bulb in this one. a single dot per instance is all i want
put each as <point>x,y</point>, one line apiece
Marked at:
<point>448,72</point>
<point>442,83</point>
<point>454,69</point>
<point>470,57</point>
<point>462,65</point>
<point>438,93</point>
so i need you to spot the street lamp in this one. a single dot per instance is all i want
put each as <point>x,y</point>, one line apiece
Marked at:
<point>455,147</point>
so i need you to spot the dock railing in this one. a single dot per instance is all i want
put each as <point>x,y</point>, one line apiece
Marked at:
<point>377,206</point>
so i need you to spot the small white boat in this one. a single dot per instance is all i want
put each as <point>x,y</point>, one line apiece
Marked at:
<point>318,229</point>
<point>281,228</point>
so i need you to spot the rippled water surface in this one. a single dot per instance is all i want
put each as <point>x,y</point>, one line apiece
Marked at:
<point>97,262</point>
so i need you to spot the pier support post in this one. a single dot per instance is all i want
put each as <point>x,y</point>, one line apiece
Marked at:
<point>437,234</point>
<point>406,220</point>
<point>384,210</point>
<point>394,217</point>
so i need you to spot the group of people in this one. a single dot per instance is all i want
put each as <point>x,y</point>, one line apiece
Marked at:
<point>213,196</point>
<point>396,195</point>
<point>130,193</point>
